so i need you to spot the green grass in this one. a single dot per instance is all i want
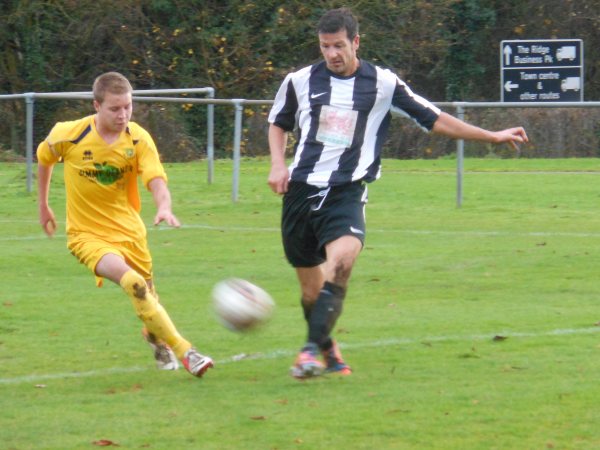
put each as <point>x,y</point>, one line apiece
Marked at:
<point>470,328</point>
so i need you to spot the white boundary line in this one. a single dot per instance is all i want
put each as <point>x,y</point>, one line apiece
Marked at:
<point>276,354</point>
<point>591,234</point>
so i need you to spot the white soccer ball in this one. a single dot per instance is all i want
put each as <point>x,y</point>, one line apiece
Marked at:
<point>241,305</point>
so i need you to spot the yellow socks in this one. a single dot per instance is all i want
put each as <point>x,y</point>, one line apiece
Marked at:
<point>154,316</point>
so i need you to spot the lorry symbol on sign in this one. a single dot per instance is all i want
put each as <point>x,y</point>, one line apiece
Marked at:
<point>566,52</point>
<point>570,83</point>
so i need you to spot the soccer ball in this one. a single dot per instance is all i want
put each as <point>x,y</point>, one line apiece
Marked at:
<point>241,305</point>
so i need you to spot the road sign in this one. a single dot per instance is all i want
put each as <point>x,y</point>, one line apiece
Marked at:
<point>541,70</point>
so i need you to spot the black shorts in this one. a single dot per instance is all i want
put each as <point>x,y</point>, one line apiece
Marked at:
<point>313,217</point>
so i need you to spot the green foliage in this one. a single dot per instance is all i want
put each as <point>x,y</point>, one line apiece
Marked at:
<point>466,30</point>
<point>445,49</point>
<point>243,48</point>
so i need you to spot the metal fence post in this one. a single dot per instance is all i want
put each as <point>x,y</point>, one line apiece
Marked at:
<point>210,136</point>
<point>460,153</point>
<point>29,103</point>
<point>237,139</point>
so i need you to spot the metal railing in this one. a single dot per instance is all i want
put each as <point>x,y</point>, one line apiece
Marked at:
<point>238,105</point>
<point>138,95</point>
<point>461,107</point>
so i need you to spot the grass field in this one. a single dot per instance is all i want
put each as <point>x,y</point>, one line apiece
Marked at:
<point>470,328</point>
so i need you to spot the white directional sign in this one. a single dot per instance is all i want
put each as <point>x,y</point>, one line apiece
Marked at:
<point>541,70</point>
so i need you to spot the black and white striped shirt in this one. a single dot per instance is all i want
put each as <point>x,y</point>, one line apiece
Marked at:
<point>343,121</point>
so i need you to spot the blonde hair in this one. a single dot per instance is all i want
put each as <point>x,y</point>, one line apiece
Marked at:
<point>112,82</point>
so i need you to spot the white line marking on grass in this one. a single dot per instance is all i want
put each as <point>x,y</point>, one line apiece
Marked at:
<point>31,238</point>
<point>371,230</point>
<point>275,354</point>
<point>492,233</point>
<point>475,337</point>
<point>533,172</point>
<point>404,231</point>
<point>215,228</point>
<point>60,376</point>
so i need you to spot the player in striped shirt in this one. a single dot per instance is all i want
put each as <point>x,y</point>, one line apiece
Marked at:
<point>341,109</point>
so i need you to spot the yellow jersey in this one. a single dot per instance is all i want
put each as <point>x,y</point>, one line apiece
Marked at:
<point>101,180</point>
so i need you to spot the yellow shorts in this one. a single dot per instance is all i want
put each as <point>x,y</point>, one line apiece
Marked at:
<point>89,249</point>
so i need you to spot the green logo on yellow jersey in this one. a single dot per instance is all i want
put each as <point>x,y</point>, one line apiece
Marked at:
<point>104,173</point>
<point>129,153</point>
<point>107,174</point>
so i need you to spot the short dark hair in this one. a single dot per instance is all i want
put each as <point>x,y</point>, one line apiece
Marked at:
<point>112,82</point>
<point>335,20</point>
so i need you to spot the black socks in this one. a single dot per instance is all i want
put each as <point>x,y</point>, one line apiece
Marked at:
<point>324,313</point>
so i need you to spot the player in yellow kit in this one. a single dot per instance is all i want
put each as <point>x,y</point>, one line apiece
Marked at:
<point>103,156</point>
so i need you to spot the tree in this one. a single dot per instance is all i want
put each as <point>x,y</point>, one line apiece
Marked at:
<point>444,49</point>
